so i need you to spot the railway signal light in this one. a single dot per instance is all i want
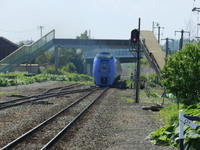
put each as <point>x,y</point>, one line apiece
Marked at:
<point>134,36</point>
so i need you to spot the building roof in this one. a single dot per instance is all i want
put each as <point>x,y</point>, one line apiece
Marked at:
<point>6,47</point>
<point>7,43</point>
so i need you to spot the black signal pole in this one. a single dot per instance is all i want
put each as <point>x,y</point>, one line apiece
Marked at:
<point>135,47</point>
<point>138,67</point>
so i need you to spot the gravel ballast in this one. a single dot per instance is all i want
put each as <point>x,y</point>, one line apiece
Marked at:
<point>17,120</point>
<point>113,123</point>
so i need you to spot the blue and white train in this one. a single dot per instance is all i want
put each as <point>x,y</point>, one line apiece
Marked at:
<point>106,69</point>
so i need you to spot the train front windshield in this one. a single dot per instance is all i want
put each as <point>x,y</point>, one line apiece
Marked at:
<point>102,56</point>
<point>104,68</point>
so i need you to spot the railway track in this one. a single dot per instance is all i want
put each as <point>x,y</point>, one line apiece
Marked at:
<point>61,88</point>
<point>35,96</point>
<point>47,133</point>
<point>54,92</point>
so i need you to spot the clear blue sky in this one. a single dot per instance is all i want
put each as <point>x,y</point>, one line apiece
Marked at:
<point>110,19</point>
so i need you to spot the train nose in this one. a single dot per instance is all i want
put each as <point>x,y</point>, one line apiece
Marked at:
<point>104,80</point>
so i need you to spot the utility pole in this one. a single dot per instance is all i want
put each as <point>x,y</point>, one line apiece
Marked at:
<point>41,30</point>
<point>89,34</point>
<point>159,33</point>
<point>159,28</point>
<point>167,46</point>
<point>154,25</point>
<point>197,10</point>
<point>181,39</point>
<point>197,37</point>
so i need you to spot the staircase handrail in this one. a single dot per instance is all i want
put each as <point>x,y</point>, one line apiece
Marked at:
<point>151,58</point>
<point>28,46</point>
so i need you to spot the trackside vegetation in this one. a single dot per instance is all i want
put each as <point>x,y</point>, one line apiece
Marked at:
<point>181,74</point>
<point>168,135</point>
<point>20,78</point>
<point>181,77</point>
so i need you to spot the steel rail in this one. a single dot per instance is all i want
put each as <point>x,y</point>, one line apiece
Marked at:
<point>29,97</point>
<point>62,87</point>
<point>44,97</point>
<point>54,140</point>
<point>33,130</point>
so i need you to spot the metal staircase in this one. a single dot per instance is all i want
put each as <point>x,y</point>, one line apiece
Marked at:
<point>150,58</point>
<point>152,51</point>
<point>27,53</point>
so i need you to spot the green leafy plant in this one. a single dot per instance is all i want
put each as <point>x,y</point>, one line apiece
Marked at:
<point>169,114</point>
<point>10,79</point>
<point>152,80</point>
<point>168,135</point>
<point>152,93</point>
<point>181,74</point>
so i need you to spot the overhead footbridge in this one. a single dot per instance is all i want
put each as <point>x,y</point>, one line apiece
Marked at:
<point>120,48</point>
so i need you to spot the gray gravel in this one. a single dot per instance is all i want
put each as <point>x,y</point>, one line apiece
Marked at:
<point>27,90</point>
<point>113,124</point>
<point>17,120</point>
<point>45,134</point>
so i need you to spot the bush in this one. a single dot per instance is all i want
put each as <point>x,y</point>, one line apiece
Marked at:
<point>152,80</point>
<point>169,114</point>
<point>152,93</point>
<point>143,80</point>
<point>181,74</point>
<point>168,135</point>
<point>70,67</point>
<point>50,69</point>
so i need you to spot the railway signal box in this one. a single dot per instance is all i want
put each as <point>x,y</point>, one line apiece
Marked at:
<point>134,36</point>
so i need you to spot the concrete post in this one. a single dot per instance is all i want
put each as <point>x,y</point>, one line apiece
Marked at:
<point>88,70</point>
<point>181,130</point>
<point>91,66</point>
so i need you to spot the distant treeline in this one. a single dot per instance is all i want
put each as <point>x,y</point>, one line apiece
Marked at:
<point>175,44</point>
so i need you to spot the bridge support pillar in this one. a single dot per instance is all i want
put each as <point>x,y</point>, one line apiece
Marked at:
<point>57,57</point>
<point>88,66</point>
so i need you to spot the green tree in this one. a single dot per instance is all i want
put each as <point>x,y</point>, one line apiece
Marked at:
<point>84,35</point>
<point>69,67</point>
<point>45,58</point>
<point>70,59</point>
<point>181,74</point>
<point>71,56</point>
<point>25,42</point>
<point>50,69</point>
